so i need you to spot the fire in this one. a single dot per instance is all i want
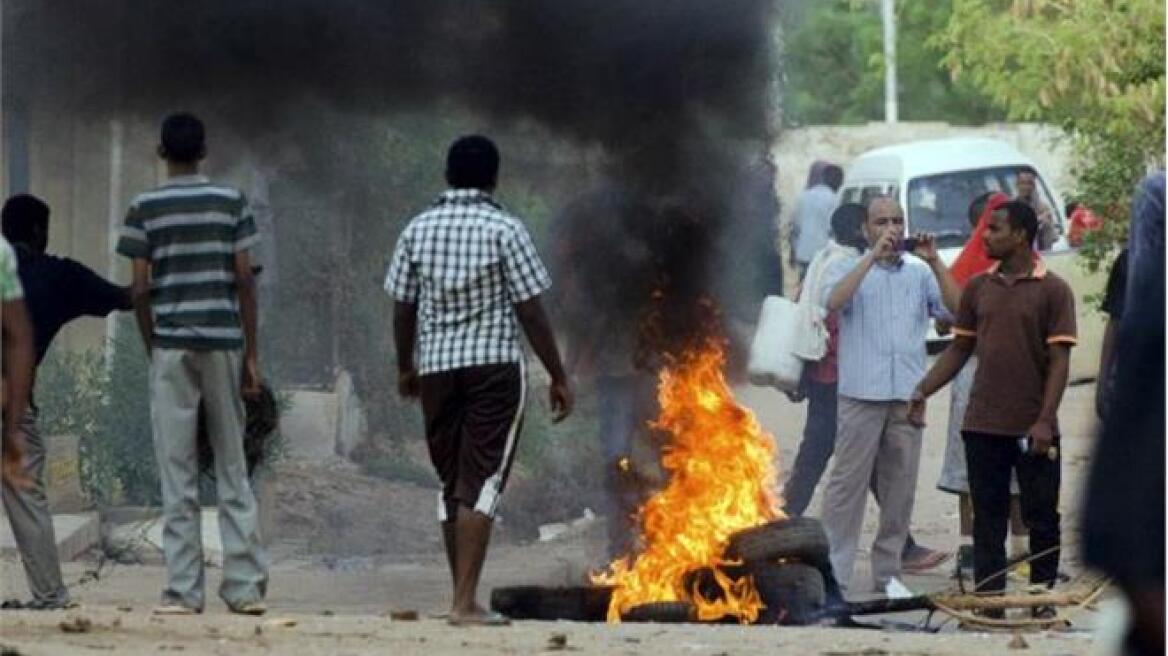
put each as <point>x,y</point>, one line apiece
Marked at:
<point>722,477</point>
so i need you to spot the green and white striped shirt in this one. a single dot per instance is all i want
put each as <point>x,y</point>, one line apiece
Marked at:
<point>190,230</point>
<point>10,289</point>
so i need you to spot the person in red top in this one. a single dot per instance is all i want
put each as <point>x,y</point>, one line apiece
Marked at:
<point>1082,221</point>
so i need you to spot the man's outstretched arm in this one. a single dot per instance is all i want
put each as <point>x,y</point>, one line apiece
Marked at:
<point>943,371</point>
<point>539,332</point>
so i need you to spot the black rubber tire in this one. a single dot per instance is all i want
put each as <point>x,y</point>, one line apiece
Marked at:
<point>794,594</point>
<point>662,612</point>
<point>707,585</point>
<point>533,602</point>
<point>798,538</point>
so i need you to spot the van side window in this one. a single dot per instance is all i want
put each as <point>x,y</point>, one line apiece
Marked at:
<point>940,203</point>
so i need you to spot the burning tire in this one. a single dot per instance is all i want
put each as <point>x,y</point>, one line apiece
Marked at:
<point>798,538</point>
<point>533,602</point>
<point>662,612</point>
<point>793,594</point>
<point>704,582</point>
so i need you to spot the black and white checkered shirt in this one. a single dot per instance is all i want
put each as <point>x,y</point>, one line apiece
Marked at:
<point>465,262</point>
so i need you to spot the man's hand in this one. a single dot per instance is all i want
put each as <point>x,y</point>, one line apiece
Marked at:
<point>885,246</point>
<point>916,408</point>
<point>926,248</point>
<point>942,327</point>
<point>408,385</point>
<point>251,378</point>
<point>12,469</point>
<point>561,400</point>
<point>1041,438</point>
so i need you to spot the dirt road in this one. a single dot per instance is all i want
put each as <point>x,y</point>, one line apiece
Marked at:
<point>341,605</point>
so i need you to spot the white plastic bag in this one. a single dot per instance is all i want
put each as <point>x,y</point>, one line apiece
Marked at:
<point>809,340</point>
<point>771,362</point>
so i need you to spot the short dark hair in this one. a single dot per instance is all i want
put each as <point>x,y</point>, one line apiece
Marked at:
<point>847,224</point>
<point>25,219</point>
<point>472,163</point>
<point>1027,169</point>
<point>1022,217</point>
<point>977,207</point>
<point>833,176</point>
<point>183,138</point>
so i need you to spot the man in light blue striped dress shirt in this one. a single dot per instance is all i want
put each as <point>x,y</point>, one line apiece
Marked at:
<point>885,302</point>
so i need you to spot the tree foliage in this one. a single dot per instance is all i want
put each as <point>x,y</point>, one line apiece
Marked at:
<point>1094,67</point>
<point>834,62</point>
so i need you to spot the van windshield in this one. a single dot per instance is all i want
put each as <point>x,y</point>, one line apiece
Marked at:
<point>940,203</point>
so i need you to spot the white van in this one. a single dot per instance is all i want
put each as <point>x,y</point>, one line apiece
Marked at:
<point>936,180</point>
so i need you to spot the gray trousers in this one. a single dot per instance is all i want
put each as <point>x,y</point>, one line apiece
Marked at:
<point>32,522</point>
<point>179,379</point>
<point>875,443</point>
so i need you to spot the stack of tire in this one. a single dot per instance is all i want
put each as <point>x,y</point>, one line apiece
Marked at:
<point>787,560</point>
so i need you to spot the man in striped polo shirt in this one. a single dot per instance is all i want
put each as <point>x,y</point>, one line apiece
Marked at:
<point>195,298</point>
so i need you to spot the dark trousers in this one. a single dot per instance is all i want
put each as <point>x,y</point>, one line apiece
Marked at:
<point>989,459</point>
<point>815,449</point>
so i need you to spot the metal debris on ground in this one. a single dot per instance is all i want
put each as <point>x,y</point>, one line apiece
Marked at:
<point>557,642</point>
<point>403,615</point>
<point>281,622</point>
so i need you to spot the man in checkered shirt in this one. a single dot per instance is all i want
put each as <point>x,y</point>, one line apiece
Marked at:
<point>463,271</point>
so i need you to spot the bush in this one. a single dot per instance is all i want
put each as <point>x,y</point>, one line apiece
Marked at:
<point>108,409</point>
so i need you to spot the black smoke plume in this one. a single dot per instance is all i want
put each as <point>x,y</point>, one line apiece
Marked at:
<point>675,93</point>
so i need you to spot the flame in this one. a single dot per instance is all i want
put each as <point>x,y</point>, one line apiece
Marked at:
<point>722,479</point>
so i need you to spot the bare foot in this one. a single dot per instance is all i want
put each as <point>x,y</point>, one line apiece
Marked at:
<point>477,616</point>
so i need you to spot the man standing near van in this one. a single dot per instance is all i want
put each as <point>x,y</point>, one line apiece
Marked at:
<point>1020,321</point>
<point>1048,232</point>
<point>884,304</point>
<point>465,277</point>
<point>811,223</point>
<point>195,298</point>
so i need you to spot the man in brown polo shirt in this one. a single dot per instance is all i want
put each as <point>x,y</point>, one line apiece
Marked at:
<point>1019,320</point>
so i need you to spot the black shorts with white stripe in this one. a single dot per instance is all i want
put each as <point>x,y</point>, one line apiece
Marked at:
<point>473,416</point>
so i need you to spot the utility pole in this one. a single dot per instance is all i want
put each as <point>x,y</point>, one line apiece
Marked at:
<point>888,13</point>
